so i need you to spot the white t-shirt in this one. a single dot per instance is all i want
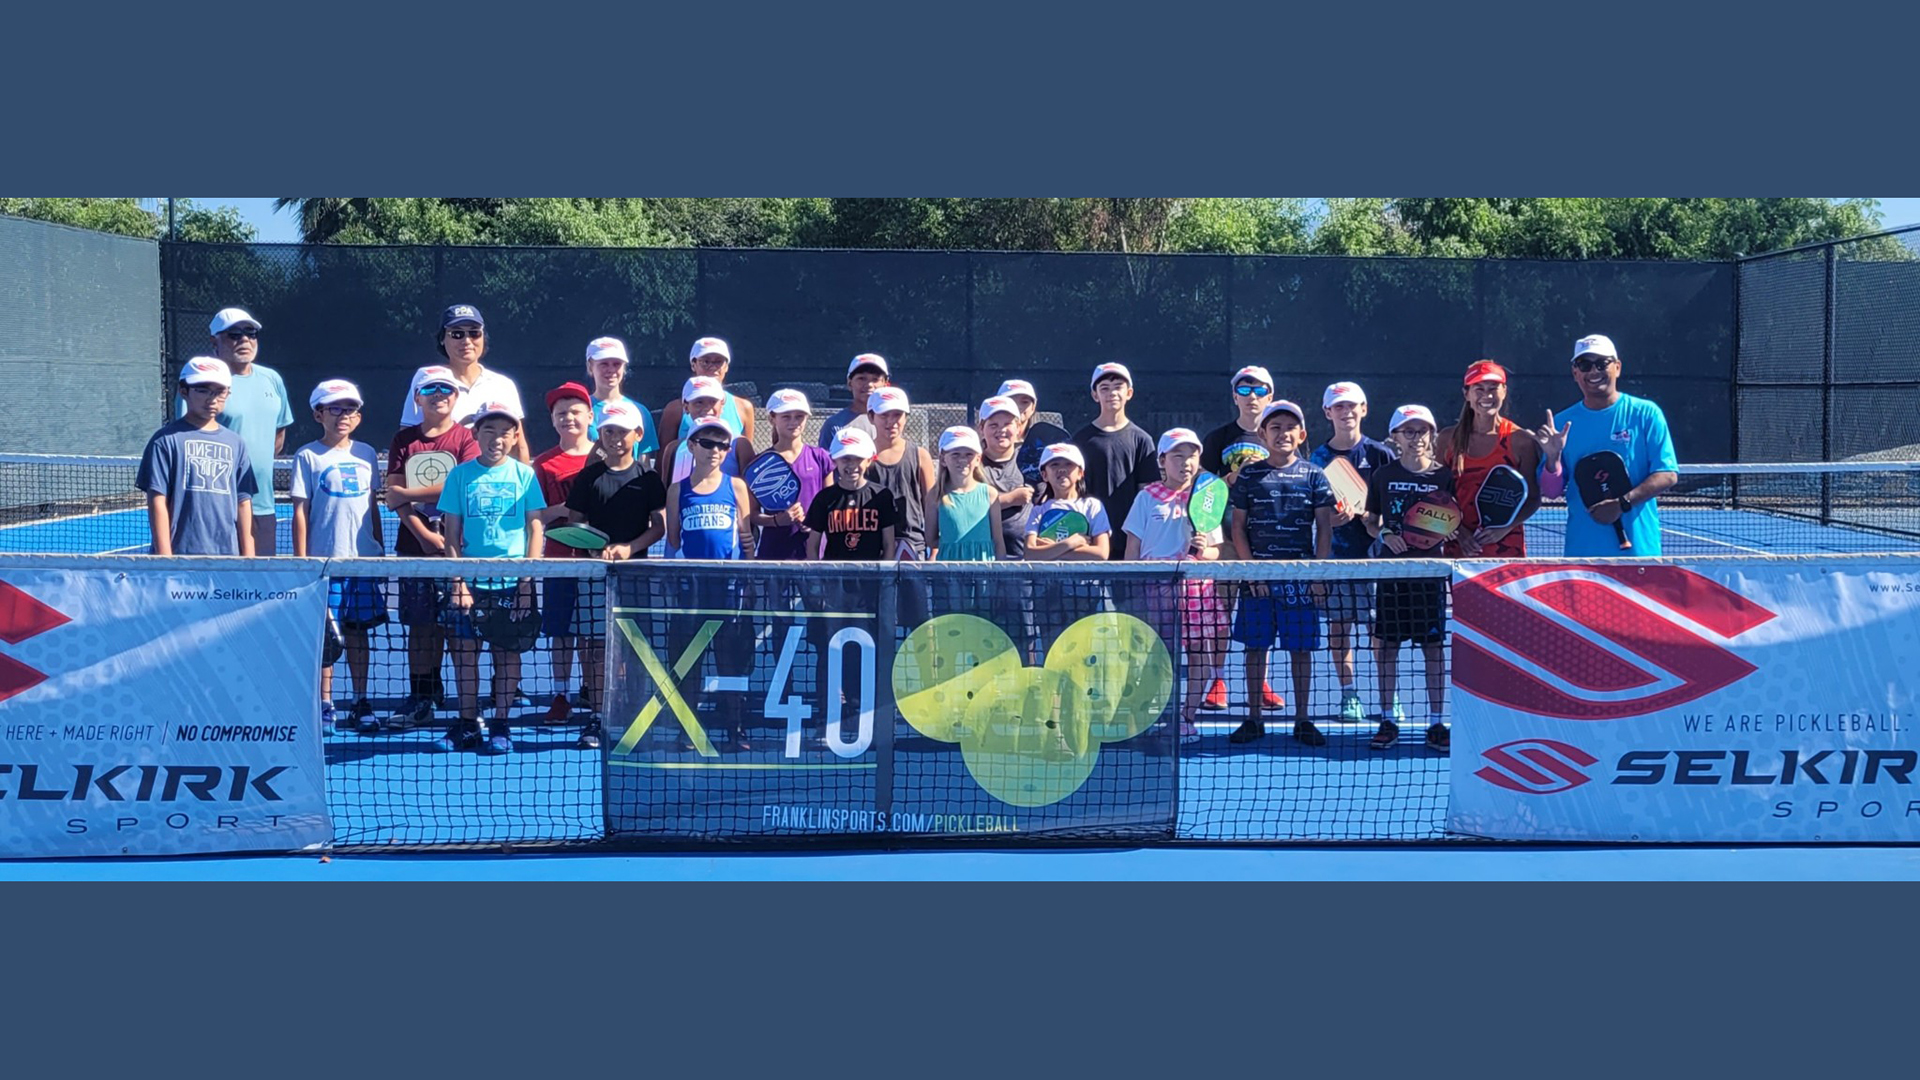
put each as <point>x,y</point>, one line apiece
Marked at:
<point>491,386</point>
<point>1159,519</point>
<point>337,484</point>
<point>1089,508</point>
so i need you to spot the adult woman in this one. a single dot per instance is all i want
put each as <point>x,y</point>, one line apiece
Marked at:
<point>462,340</point>
<point>1481,440</point>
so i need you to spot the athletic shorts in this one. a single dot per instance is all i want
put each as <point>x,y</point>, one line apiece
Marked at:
<point>572,607</point>
<point>1267,622</point>
<point>1411,610</point>
<point>1349,601</point>
<point>423,602</point>
<point>491,619</point>
<point>357,603</point>
<point>1203,614</point>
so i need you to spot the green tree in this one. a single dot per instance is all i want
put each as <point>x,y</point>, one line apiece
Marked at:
<point>129,217</point>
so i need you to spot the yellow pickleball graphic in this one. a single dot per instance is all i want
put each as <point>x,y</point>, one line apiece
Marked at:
<point>1121,670</point>
<point>1028,741</point>
<point>943,665</point>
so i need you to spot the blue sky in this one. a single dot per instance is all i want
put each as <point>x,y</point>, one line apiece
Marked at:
<point>281,228</point>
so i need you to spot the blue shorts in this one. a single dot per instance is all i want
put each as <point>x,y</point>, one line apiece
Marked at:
<point>570,607</point>
<point>1264,622</point>
<point>356,603</point>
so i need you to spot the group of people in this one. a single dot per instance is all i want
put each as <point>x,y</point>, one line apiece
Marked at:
<point>1005,487</point>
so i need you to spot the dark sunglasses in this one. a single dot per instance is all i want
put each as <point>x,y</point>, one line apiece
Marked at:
<point>242,335</point>
<point>434,391</point>
<point>459,334</point>
<point>709,444</point>
<point>1592,363</point>
<point>1252,390</point>
<point>342,410</point>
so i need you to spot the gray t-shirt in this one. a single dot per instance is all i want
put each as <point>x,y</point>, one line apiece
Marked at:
<point>257,407</point>
<point>204,475</point>
<point>844,418</point>
<point>337,484</point>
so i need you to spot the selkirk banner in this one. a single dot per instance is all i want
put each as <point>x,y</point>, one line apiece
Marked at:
<point>1713,700</point>
<point>160,709</point>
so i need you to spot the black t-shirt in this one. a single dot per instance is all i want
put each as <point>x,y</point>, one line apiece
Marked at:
<point>1006,476</point>
<point>1392,488</point>
<point>1118,462</point>
<point>853,520</point>
<point>620,504</point>
<point>1215,443</point>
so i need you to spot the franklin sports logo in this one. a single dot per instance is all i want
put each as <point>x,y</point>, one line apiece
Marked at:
<point>1597,642</point>
<point>22,617</point>
<point>1536,766</point>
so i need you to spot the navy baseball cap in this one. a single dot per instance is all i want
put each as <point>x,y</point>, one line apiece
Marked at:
<point>461,313</point>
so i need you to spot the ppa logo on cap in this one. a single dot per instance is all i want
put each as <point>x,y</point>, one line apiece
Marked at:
<point>465,311</point>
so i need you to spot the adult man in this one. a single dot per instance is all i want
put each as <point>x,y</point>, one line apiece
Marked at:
<point>1252,389</point>
<point>865,374</point>
<point>257,410</point>
<point>1606,419</point>
<point>462,340</point>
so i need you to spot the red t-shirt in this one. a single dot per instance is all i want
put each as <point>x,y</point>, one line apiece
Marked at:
<point>457,440</point>
<point>556,470</point>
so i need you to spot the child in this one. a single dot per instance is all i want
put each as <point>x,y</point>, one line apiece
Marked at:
<point>492,506</point>
<point>336,515</point>
<point>865,374</point>
<point>784,534</point>
<point>1250,391</point>
<point>962,520</point>
<point>1058,602</point>
<point>709,360</point>
<point>903,468</point>
<point>624,499</point>
<point>607,367</point>
<point>703,398</point>
<point>1349,603</point>
<point>1282,509</point>
<point>423,602</point>
<point>706,519</point>
<point>198,479</point>
<point>1032,436</point>
<point>1408,610</point>
<point>1157,528</point>
<point>853,519</point>
<point>570,408</point>
<point>1118,454</point>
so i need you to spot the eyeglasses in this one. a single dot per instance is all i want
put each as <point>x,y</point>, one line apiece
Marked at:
<point>458,335</point>
<point>241,335</point>
<point>207,388</point>
<point>434,391</point>
<point>1592,363</point>
<point>709,444</point>
<point>1252,390</point>
<point>343,410</point>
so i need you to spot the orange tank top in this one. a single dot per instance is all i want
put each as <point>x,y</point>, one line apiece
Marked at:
<point>1469,472</point>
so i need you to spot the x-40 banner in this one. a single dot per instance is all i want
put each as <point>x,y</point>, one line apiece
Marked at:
<point>160,708</point>
<point>1724,700</point>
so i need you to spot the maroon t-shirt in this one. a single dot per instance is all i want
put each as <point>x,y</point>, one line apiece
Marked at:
<point>457,440</point>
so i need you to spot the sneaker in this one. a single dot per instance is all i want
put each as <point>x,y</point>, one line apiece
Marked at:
<point>590,735</point>
<point>1388,734</point>
<point>1399,714</point>
<point>1352,709</point>
<point>1248,732</point>
<point>1188,733</point>
<point>497,745</point>
<point>1216,695</point>
<point>333,720</point>
<point>1307,734</point>
<point>1439,738</point>
<point>413,711</point>
<point>362,717</point>
<point>461,735</point>
<point>1269,699</point>
<point>559,712</point>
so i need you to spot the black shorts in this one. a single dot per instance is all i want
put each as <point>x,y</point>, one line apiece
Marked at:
<point>498,617</point>
<point>1410,610</point>
<point>422,601</point>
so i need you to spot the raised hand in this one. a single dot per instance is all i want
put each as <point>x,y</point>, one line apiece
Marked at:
<point>1552,439</point>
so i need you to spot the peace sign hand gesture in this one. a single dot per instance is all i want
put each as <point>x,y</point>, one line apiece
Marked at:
<point>1552,440</point>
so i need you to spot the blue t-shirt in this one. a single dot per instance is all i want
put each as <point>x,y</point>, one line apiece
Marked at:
<point>493,504</point>
<point>1280,503</point>
<point>204,475</point>
<point>1352,541</point>
<point>1636,429</point>
<point>649,440</point>
<point>256,409</point>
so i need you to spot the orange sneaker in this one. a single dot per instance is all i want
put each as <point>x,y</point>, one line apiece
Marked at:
<point>558,712</point>
<point>1269,699</point>
<point>1216,695</point>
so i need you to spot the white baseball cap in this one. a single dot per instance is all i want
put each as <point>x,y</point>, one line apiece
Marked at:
<point>334,390</point>
<point>999,403</point>
<point>1178,437</point>
<point>1063,450</point>
<point>851,442</point>
<point>789,400</point>
<point>623,414</point>
<point>1020,387</point>
<point>1254,372</point>
<point>205,369</point>
<point>868,359</point>
<point>436,375</point>
<point>960,438</point>
<point>887,399</point>
<point>707,346</point>
<point>602,347</point>
<point>1407,414</point>
<point>703,388</point>
<point>494,408</point>
<point>1104,370</point>
<point>1343,391</point>
<point>712,422</point>
<point>1595,344</point>
<point>228,318</point>
<point>1282,406</point>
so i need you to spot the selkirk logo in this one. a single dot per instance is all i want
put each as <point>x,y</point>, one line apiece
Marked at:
<point>22,617</point>
<point>1536,766</point>
<point>1616,650</point>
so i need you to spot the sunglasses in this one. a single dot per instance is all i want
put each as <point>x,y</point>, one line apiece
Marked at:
<point>458,335</point>
<point>342,410</point>
<point>1252,390</point>
<point>434,391</point>
<point>709,444</point>
<point>241,335</point>
<point>1592,363</point>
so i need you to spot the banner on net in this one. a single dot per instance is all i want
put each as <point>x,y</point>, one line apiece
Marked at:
<point>1717,700</point>
<point>159,710</point>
